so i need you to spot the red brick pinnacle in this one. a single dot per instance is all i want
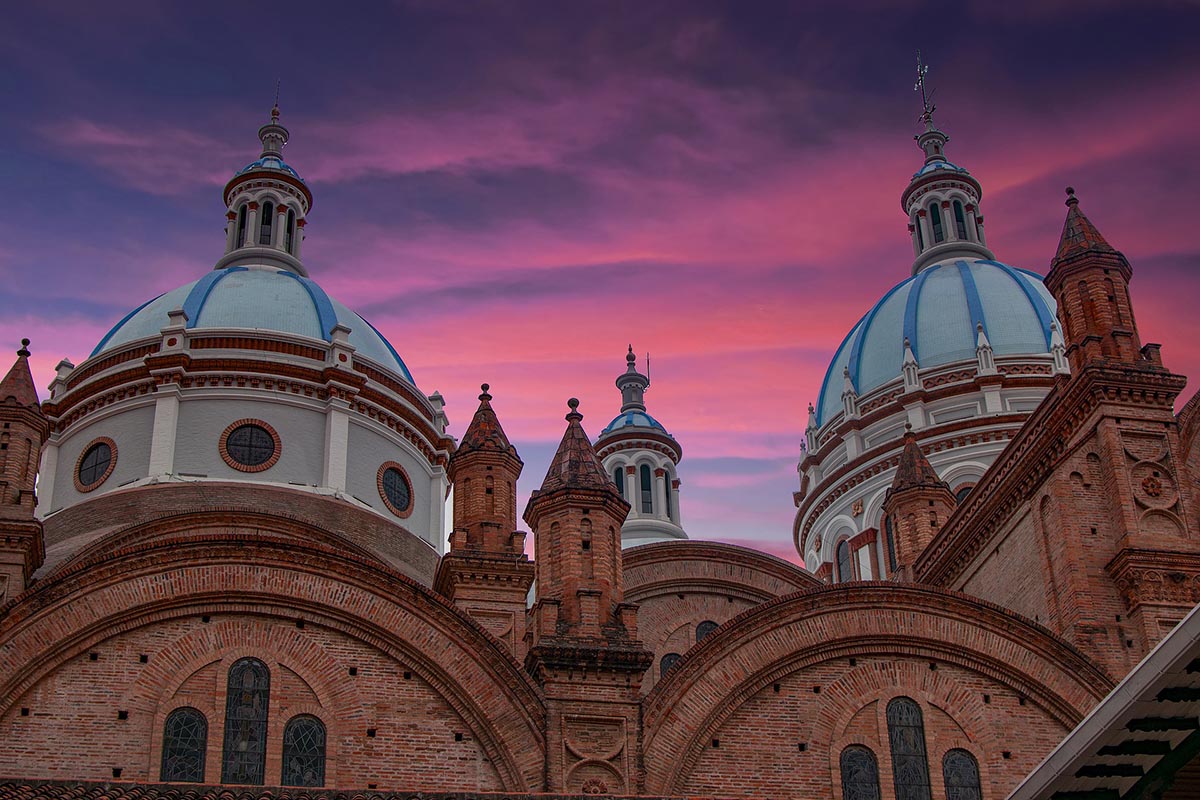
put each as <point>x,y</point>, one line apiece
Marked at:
<point>1079,235</point>
<point>18,383</point>
<point>914,470</point>
<point>575,465</point>
<point>485,432</point>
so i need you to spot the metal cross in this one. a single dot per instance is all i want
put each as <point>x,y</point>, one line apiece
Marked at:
<point>922,71</point>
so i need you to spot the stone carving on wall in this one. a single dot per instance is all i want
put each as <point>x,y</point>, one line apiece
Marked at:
<point>594,754</point>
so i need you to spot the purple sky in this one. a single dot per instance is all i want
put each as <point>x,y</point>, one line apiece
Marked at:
<point>513,192</point>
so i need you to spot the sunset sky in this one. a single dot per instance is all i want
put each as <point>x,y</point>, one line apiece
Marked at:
<point>513,192</point>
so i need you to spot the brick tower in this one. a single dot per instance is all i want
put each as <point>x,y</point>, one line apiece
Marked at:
<point>584,646</point>
<point>24,432</point>
<point>914,509</point>
<point>1125,553</point>
<point>486,571</point>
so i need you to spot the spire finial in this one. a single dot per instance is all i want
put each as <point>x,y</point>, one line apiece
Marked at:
<point>275,107</point>
<point>630,357</point>
<point>24,351</point>
<point>484,396</point>
<point>927,107</point>
<point>1072,200</point>
<point>573,415</point>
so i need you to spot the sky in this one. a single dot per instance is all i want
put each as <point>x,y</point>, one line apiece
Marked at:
<point>513,192</point>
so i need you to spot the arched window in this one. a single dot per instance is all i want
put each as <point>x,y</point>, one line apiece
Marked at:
<point>961,492</point>
<point>291,230</point>
<point>906,734</point>
<point>960,220</point>
<point>845,567</point>
<point>647,491</point>
<point>489,493</point>
<point>668,661</point>
<point>619,480</point>
<point>961,773</point>
<point>184,742</point>
<point>241,223</point>
<point>935,218</point>
<point>265,220</point>
<point>705,628</point>
<point>920,235</point>
<point>244,753</point>
<point>304,752</point>
<point>890,536</point>
<point>860,774</point>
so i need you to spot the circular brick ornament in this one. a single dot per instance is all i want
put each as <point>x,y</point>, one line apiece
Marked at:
<point>248,445</point>
<point>394,485</point>
<point>91,464</point>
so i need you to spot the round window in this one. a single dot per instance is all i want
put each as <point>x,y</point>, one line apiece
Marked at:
<point>395,489</point>
<point>250,445</point>
<point>96,464</point>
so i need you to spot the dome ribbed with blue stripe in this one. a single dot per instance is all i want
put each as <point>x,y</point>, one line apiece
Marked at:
<point>937,310</point>
<point>261,299</point>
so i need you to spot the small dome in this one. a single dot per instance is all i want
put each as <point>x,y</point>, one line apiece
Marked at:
<point>937,311</point>
<point>269,163</point>
<point>934,166</point>
<point>634,419</point>
<point>256,298</point>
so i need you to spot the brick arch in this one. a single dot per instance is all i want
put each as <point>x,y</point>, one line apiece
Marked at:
<point>652,570</point>
<point>900,622</point>
<point>150,583</point>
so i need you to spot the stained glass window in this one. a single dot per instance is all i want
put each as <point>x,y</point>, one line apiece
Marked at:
<point>845,566</point>
<point>395,488</point>
<point>304,752</point>
<point>264,223</point>
<point>647,491</point>
<point>241,228</point>
<point>250,445</point>
<point>667,496</point>
<point>960,221</point>
<point>935,218</point>
<point>95,463</point>
<point>291,231</point>
<point>961,773</point>
<point>619,480</point>
<point>185,739</point>
<point>668,661</point>
<point>891,543</point>
<point>906,733</point>
<point>705,628</point>
<point>860,774</point>
<point>244,753</point>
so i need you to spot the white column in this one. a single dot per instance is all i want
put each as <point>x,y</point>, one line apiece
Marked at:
<point>337,444</point>
<point>230,232</point>
<point>166,424</point>
<point>633,492</point>
<point>252,224</point>
<point>979,231</point>
<point>660,493</point>
<point>299,238</point>
<point>972,233</point>
<point>47,472</point>
<point>277,232</point>
<point>912,232</point>
<point>437,515</point>
<point>949,225</point>
<point>675,502</point>
<point>926,229</point>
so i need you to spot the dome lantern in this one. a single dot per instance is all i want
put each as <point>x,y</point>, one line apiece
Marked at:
<point>266,205</point>
<point>942,199</point>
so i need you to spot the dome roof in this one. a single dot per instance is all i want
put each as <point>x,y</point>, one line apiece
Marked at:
<point>634,419</point>
<point>937,311</point>
<point>272,163</point>
<point>934,166</point>
<point>256,298</point>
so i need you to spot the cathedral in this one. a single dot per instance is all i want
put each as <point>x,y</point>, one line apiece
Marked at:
<point>224,571</point>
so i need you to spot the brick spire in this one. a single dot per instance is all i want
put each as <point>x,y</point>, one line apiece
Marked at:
<point>18,383</point>
<point>485,431</point>
<point>575,465</point>
<point>1090,282</point>
<point>914,470</point>
<point>1079,236</point>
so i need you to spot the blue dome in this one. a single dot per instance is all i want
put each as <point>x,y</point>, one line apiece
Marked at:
<point>634,419</point>
<point>256,299</point>
<point>937,310</point>
<point>934,166</point>
<point>269,162</point>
